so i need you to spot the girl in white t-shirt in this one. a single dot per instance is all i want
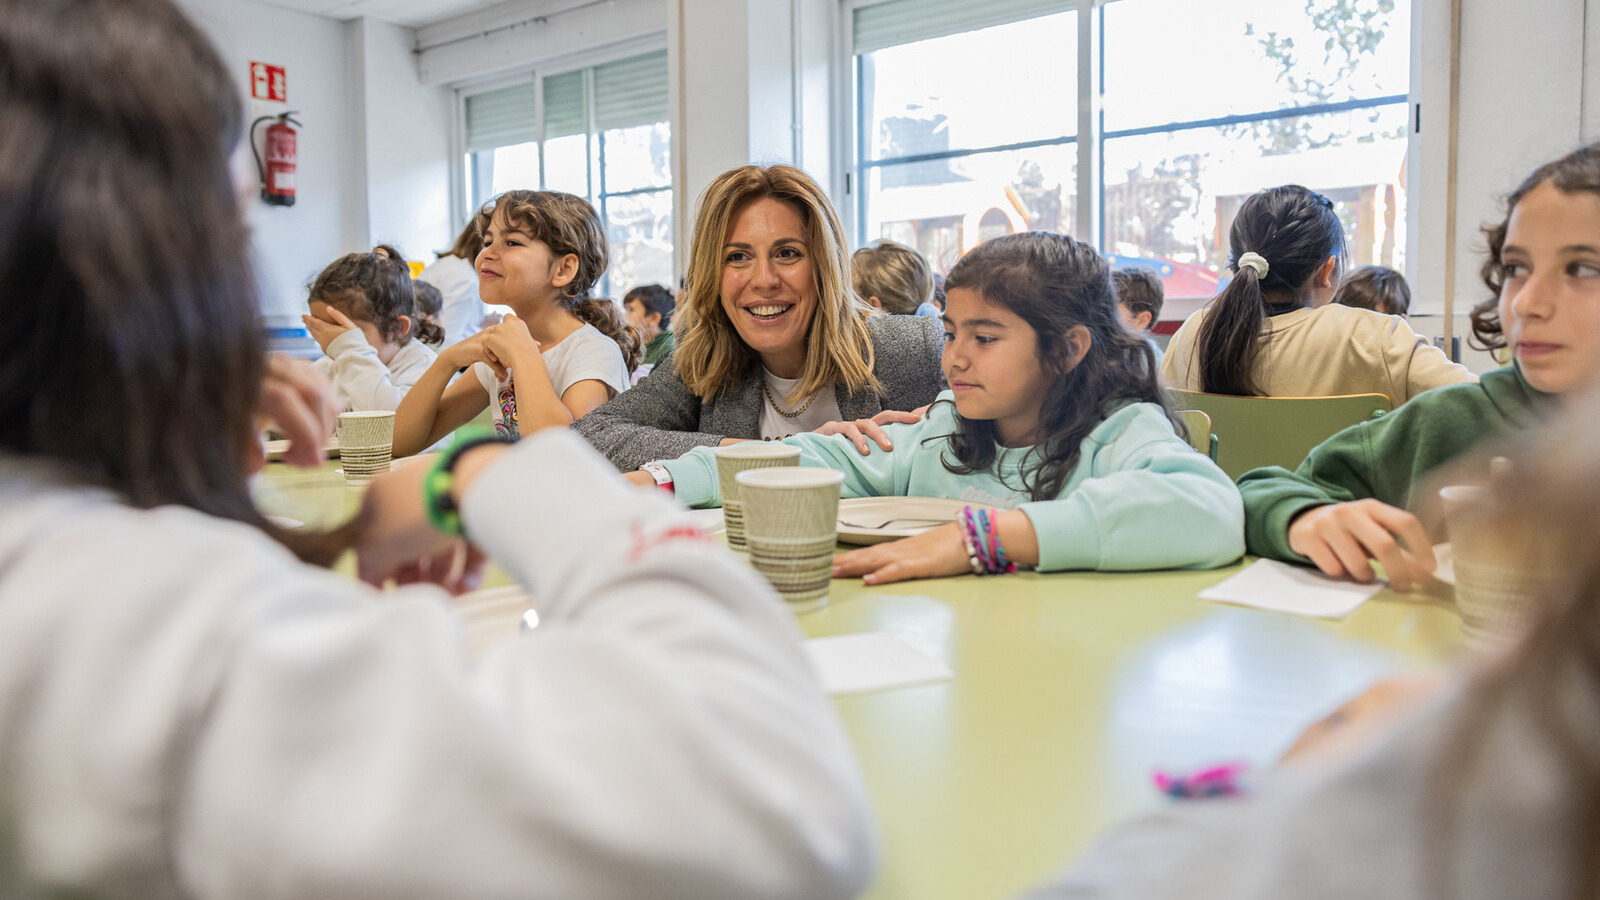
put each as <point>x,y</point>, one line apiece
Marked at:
<point>561,355</point>
<point>364,317</point>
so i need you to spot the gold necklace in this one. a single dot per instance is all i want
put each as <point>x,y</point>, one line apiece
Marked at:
<point>781,411</point>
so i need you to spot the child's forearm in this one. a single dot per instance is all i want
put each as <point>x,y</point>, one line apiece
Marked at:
<point>1015,531</point>
<point>415,415</point>
<point>538,405</point>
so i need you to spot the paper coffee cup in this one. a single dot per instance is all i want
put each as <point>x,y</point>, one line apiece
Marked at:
<point>791,517</point>
<point>736,458</point>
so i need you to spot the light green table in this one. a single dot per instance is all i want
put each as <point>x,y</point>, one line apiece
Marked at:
<point>1069,691</point>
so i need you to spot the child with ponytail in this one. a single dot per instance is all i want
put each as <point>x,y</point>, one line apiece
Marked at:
<point>563,352</point>
<point>364,317</point>
<point>1272,331</point>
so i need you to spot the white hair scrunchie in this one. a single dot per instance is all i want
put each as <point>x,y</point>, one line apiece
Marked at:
<point>1253,261</point>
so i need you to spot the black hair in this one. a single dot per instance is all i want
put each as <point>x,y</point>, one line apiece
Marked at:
<point>1577,171</point>
<point>1295,230</point>
<point>655,298</point>
<point>1055,284</point>
<point>126,259</point>
<point>1378,288</point>
<point>429,300</point>
<point>375,287</point>
<point>1139,290</point>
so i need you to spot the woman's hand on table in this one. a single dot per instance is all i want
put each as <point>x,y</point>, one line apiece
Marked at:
<point>300,401</point>
<point>1341,538</point>
<point>396,540</point>
<point>860,430</point>
<point>935,553</point>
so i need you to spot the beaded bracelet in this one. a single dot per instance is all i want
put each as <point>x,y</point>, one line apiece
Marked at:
<point>983,543</point>
<point>972,551</point>
<point>997,553</point>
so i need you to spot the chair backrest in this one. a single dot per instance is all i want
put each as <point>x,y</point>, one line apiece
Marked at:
<point>1276,431</point>
<point>1198,425</point>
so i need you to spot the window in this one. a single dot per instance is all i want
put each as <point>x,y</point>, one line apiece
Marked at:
<point>600,132</point>
<point>967,114</point>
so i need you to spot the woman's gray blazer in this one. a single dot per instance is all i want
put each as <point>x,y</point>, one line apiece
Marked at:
<point>660,419</point>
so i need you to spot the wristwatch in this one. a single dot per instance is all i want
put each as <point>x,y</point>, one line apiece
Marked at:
<point>660,474</point>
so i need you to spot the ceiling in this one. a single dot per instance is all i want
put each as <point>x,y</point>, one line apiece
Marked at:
<point>411,13</point>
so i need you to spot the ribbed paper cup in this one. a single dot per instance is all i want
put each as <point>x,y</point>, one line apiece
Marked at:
<point>736,458</point>
<point>1501,571</point>
<point>791,517</point>
<point>366,440</point>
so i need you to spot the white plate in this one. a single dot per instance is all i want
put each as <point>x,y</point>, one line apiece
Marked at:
<point>276,449</point>
<point>873,520</point>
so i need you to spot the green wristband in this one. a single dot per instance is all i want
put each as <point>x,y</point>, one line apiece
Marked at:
<point>439,483</point>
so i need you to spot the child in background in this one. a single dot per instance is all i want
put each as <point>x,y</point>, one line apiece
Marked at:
<point>1348,501</point>
<point>1054,415</point>
<point>649,310</point>
<point>562,354</point>
<point>893,278</point>
<point>453,273</point>
<point>1139,299</point>
<point>429,301</point>
<point>363,316</point>
<point>1378,288</point>
<point>1272,331</point>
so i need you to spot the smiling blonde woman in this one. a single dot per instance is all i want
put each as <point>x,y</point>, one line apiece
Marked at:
<point>771,340</point>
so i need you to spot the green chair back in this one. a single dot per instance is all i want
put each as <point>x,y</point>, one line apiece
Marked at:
<point>1276,431</point>
<point>1198,425</point>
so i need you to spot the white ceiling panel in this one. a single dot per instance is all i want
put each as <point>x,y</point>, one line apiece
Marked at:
<point>411,13</point>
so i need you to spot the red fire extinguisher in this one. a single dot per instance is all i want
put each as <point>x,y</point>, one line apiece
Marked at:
<point>277,176</point>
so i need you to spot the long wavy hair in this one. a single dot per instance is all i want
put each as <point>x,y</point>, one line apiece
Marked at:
<point>1055,284</point>
<point>1293,228</point>
<point>1577,171</point>
<point>710,354</point>
<point>125,259</point>
<point>569,224</point>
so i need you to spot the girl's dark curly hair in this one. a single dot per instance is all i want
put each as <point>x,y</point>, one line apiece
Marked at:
<point>1055,284</point>
<point>1577,171</point>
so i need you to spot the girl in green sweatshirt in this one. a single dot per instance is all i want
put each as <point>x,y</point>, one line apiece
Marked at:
<point>1347,502</point>
<point>1054,415</point>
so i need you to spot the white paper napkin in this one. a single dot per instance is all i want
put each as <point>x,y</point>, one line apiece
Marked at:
<point>871,661</point>
<point>1280,587</point>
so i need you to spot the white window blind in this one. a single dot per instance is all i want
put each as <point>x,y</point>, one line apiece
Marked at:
<point>563,105</point>
<point>502,117</point>
<point>631,91</point>
<point>905,21</point>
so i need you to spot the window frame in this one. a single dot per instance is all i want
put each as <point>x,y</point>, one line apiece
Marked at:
<point>461,200</point>
<point>854,164</point>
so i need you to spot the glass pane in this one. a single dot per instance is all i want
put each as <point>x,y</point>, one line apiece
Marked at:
<point>985,88</point>
<point>516,167</point>
<point>1170,197</point>
<point>638,157</point>
<point>639,228</point>
<point>566,164</point>
<point>1181,61</point>
<point>947,207</point>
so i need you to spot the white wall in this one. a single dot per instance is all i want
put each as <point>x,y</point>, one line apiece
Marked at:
<point>405,144</point>
<point>293,243</point>
<point>1528,93</point>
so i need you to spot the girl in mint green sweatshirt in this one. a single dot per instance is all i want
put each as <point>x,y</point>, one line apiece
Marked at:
<point>1054,415</point>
